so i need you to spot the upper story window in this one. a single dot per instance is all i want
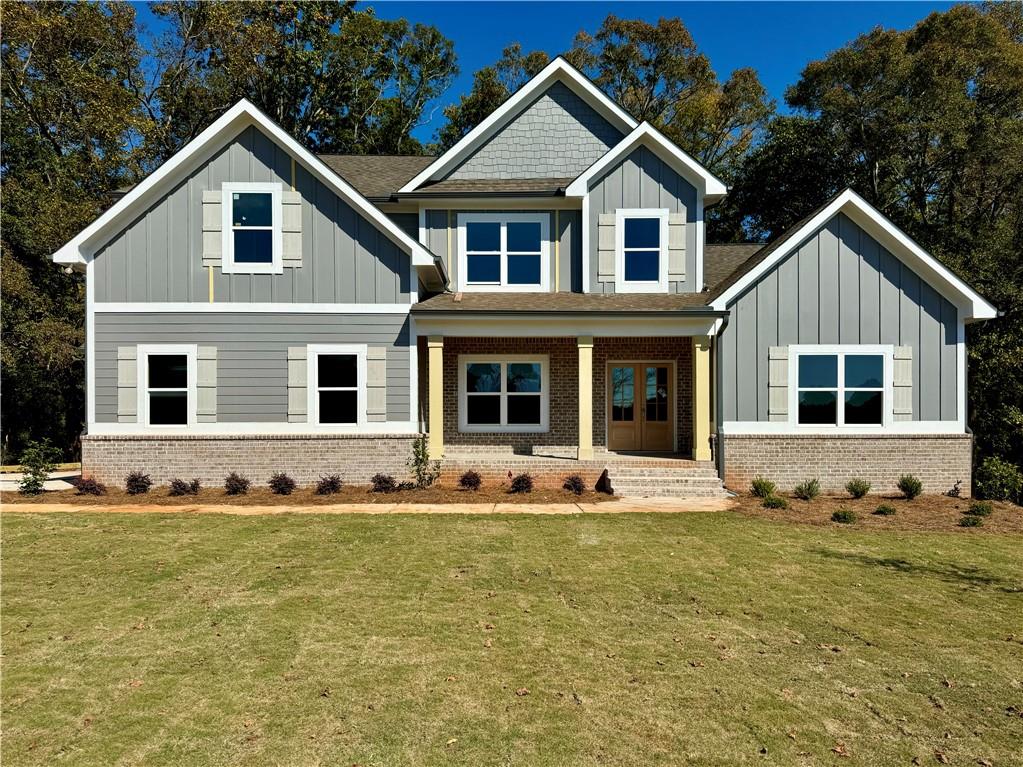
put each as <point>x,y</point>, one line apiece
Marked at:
<point>841,386</point>
<point>641,250</point>
<point>503,251</point>
<point>252,228</point>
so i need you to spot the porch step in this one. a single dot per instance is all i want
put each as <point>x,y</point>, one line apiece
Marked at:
<point>645,482</point>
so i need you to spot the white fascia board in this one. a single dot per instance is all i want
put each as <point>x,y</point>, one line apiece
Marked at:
<point>559,69</point>
<point>971,304</point>
<point>706,182</point>
<point>241,115</point>
<point>558,325</point>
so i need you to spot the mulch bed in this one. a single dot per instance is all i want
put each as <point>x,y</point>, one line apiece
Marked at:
<point>261,496</point>
<point>925,513</point>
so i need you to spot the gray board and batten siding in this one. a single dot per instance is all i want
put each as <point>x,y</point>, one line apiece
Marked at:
<point>252,354</point>
<point>569,232</point>
<point>557,135</point>
<point>840,286</point>
<point>643,180</point>
<point>158,256</point>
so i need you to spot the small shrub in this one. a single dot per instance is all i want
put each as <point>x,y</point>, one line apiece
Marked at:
<point>843,517</point>
<point>470,480</point>
<point>884,510</point>
<point>424,471</point>
<point>408,486</point>
<point>910,486</point>
<point>89,486</point>
<point>762,488</point>
<point>969,520</point>
<point>999,480</point>
<point>281,484</point>
<point>775,502</point>
<point>522,483</point>
<point>955,490</point>
<point>38,460</point>
<point>808,490</point>
<point>329,485</point>
<point>857,488</point>
<point>181,487</point>
<point>980,509</point>
<point>574,484</point>
<point>383,483</point>
<point>137,483</point>
<point>236,484</point>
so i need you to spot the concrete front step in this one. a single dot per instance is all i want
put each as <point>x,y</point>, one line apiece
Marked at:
<point>636,482</point>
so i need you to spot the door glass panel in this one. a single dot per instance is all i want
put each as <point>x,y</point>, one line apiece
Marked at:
<point>623,395</point>
<point>657,394</point>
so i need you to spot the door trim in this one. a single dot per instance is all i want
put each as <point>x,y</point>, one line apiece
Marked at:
<point>673,365</point>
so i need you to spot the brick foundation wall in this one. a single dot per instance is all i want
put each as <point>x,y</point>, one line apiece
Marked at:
<point>305,457</point>
<point>937,460</point>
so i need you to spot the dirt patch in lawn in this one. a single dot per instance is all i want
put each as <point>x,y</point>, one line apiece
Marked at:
<point>262,496</point>
<point>927,512</point>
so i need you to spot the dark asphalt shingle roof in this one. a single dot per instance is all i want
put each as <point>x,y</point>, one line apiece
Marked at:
<point>493,186</point>
<point>376,176</point>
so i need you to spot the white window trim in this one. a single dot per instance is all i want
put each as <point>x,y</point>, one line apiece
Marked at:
<point>313,351</point>
<point>144,351</point>
<point>545,395</point>
<point>504,218</point>
<point>228,265</point>
<point>886,351</point>
<point>645,286</point>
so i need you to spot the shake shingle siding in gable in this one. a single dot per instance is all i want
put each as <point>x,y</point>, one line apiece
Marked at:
<point>158,256</point>
<point>840,286</point>
<point>558,135</point>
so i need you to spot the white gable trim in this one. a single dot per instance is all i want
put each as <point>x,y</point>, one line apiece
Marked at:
<point>705,181</point>
<point>559,69</point>
<point>971,305</point>
<point>82,247</point>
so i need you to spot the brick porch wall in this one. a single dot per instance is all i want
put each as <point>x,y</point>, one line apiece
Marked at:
<point>305,457</point>
<point>937,460</point>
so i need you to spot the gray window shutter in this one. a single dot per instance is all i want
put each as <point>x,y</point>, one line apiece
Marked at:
<point>291,227</point>
<point>206,384</point>
<point>376,383</point>
<point>902,384</point>
<point>127,384</point>
<point>778,383</point>
<point>676,247</point>
<point>298,391</point>
<point>212,225</point>
<point>606,246</point>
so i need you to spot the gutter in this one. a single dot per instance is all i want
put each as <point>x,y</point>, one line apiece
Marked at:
<point>651,313</point>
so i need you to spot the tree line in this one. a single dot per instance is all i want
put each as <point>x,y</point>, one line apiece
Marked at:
<point>926,123</point>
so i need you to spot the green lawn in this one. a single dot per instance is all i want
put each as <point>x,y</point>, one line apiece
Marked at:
<point>641,639</point>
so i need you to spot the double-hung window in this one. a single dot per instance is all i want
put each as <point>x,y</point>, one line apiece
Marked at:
<point>252,228</point>
<point>840,387</point>
<point>337,384</point>
<point>167,384</point>
<point>641,250</point>
<point>503,251</point>
<point>503,393</point>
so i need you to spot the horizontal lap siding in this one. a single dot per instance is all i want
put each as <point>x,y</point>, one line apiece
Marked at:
<point>840,286</point>
<point>345,257</point>
<point>252,355</point>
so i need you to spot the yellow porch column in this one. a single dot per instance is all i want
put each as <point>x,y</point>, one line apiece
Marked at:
<point>585,344</point>
<point>435,344</point>
<point>701,398</point>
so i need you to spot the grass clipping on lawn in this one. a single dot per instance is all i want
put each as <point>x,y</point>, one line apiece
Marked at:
<point>601,639</point>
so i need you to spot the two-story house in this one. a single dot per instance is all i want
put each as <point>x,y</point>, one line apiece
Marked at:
<point>541,295</point>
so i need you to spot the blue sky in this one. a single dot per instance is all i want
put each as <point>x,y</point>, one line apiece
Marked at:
<point>777,39</point>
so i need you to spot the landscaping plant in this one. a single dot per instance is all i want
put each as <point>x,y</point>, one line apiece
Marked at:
<point>522,483</point>
<point>182,487</point>
<point>574,484</point>
<point>884,510</point>
<point>329,485</point>
<point>424,471</point>
<point>89,486</point>
<point>808,490</point>
<point>980,509</point>
<point>843,516</point>
<point>236,484</point>
<point>969,520</point>
<point>281,484</point>
<point>762,488</point>
<point>857,488</point>
<point>37,461</point>
<point>383,483</point>
<point>999,480</point>
<point>775,502</point>
<point>137,483</point>
<point>470,480</point>
<point>910,486</point>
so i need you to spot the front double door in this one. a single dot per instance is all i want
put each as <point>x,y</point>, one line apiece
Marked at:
<point>641,406</point>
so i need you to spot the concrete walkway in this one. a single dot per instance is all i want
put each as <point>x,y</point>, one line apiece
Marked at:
<point>623,506</point>
<point>58,480</point>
